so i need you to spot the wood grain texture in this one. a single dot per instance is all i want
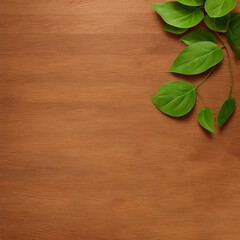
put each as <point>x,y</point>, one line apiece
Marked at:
<point>84,154</point>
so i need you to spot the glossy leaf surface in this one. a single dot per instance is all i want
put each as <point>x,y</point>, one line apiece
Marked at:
<point>197,58</point>
<point>175,30</point>
<point>198,35</point>
<point>219,8</point>
<point>175,98</point>
<point>233,33</point>
<point>226,111</point>
<point>192,2</point>
<point>179,15</point>
<point>206,119</point>
<point>217,24</point>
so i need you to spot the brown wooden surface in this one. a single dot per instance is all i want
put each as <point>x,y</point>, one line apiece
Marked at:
<point>84,153</point>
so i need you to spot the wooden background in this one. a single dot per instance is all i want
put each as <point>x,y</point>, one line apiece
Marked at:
<point>84,153</point>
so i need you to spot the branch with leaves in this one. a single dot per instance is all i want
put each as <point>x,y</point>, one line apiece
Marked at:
<point>177,98</point>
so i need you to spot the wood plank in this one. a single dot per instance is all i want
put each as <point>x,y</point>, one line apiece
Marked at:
<point>84,154</point>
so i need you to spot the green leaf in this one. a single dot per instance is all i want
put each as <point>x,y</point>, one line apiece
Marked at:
<point>178,15</point>
<point>205,119</point>
<point>197,58</point>
<point>198,35</point>
<point>219,8</point>
<point>192,2</point>
<point>173,29</point>
<point>217,24</point>
<point>233,33</point>
<point>175,98</point>
<point>226,111</point>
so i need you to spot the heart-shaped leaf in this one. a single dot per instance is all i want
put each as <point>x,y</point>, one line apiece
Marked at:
<point>192,2</point>
<point>217,24</point>
<point>173,29</point>
<point>175,98</point>
<point>205,119</point>
<point>178,15</point>
<point>198,35</point>
<point>226,111</point>
<point>197,58</point>
<point>233,33</point>
<point>219,8</point>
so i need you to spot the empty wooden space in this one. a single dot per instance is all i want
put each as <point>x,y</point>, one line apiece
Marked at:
<point>84,154</point>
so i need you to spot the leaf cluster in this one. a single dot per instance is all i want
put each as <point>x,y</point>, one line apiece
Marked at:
<point>202,53</point>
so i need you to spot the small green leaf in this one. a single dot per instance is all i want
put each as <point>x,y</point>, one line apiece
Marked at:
<point>233,33</point>
<point>205,119</point>
<point>217,24</point>
<point>175,30</point>
<point>226,111</point>
<point>197,58</point>
<point>198,35</point>
<point>178,15</point>
<point>192,2</point>
<point>219,8</point>
<point>175,98</point>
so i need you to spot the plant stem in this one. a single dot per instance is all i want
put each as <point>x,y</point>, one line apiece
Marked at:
<point>231,71</point>
<point>205,78</point>
<point>201,99</point>
<point>230,62</point>
<point>224,44</point>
